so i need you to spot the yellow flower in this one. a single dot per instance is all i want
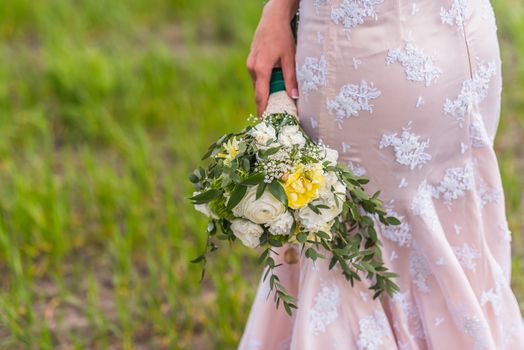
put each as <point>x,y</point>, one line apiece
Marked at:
<point>231,148</point>
<point>302,185</point>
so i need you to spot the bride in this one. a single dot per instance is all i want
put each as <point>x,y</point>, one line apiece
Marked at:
<point>408,92</point>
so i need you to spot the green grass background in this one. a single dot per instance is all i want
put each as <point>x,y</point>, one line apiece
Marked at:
<point>105,107</point>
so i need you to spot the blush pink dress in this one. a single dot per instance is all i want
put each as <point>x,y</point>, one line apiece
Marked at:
<point>408,92</point>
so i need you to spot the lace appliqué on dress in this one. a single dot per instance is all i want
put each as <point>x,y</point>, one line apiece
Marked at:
<point>474,327</point>
<point>455,183</point>
<point>408,149</point>
<point>487,195</point>
<point>312,74</point>
<point>473,92</point>
<point>351,100</point>
<point>417,65</point>
<point>318,4</point>
<point>466,255</point>
<point>400,234</point>
<point>419,269</point>
<point>356,168</point>
<point>325,309</point>
<point>422,205</point>
<point>410,310</point>
<point>351,13</point>
<point>477,132</point>
<point>457,14</point>
<point>373,330</point>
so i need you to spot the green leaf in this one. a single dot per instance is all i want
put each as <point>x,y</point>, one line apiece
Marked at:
<point>194,178</point>
<point>276,189</point>
<point>206,197</point>
<point>254,179</point>
<point>393,220</point>
<point>363,180</point>
<point>235,177</point>
<point>302,237</point>
<point>245,164</point>
<point>311,253</point>
<point>287,307</point>
<point>314,208</point>
<point>263,256</point>
<point>359,193</point>
<point>260,190</point>
<point>322,234</point>
<point>236,196</point>
<point>268,152</point>
<point>275,243</point>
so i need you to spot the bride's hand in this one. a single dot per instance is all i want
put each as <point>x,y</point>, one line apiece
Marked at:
<point>273,45</point>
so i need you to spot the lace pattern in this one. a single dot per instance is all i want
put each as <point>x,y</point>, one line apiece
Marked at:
<point>419,270</point>
<point>456,15</point>
<point>351,100</point>
<point>467,255</point>
<point>312,74</point>
<point>325,309</point>
<point>408,307</point>
<point>454,184</point>
<point>409,150</point>
<point>473,92</point>
<point>373,330</point>
<point>417,65</point>
<point>400,234</point>
<point>351,13</point>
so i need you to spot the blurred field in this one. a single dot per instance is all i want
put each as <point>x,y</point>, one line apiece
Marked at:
<point>105,107</point>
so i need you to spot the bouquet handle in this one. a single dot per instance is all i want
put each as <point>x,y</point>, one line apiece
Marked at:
<point>279,101</point>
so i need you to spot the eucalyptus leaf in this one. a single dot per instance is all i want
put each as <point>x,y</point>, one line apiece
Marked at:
<point>393,220</point>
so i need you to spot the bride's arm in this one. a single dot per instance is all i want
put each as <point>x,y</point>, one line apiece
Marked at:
<point>273,45</point>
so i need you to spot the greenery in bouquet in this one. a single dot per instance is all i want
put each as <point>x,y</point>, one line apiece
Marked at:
<point>270,185</point>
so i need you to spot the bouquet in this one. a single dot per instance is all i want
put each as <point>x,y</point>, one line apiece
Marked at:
<point>270,185</point>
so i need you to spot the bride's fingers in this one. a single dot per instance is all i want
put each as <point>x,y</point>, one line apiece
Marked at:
<point>288,70</point>
<point>262,75</point>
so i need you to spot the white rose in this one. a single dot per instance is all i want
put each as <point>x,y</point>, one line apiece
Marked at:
<point>312,221</point>
<point>291,135</point>
<point>282,224</point>
<point>204,208</point>
<point>261,211</point>
<point>263,133</point>
<point>248,232</point>
<point>331,156</point>
<point>325,193</point>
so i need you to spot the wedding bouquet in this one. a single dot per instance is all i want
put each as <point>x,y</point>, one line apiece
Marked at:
<point>270,185</point>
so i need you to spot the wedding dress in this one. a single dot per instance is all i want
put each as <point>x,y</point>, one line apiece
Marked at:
<point>408,92</point>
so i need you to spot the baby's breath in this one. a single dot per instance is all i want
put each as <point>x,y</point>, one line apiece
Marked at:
<point>316,152</point>
<point>276,165</point>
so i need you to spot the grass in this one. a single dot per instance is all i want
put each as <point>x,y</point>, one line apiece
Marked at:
<point>104,110</point>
